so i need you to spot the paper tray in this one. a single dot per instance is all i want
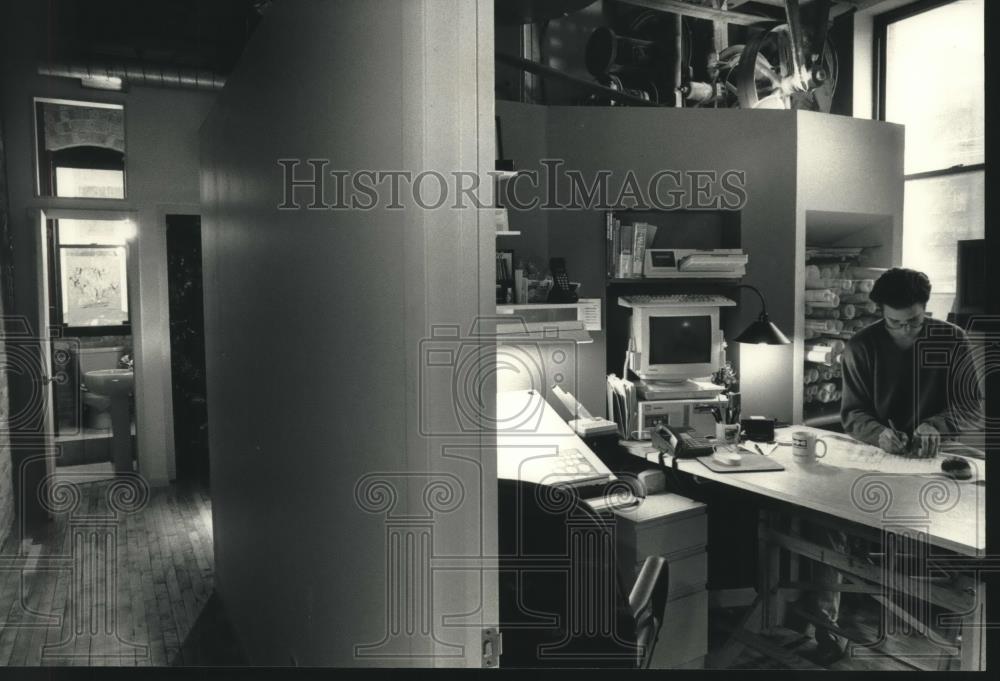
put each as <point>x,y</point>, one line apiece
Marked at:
<point>751,463</point>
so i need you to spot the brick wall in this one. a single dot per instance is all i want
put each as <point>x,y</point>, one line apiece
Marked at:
<point>6,483</point>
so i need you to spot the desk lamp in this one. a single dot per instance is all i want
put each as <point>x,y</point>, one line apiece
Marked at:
<point>762,331</point>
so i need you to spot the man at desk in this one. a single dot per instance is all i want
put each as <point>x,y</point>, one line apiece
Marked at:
<point>896,399</point>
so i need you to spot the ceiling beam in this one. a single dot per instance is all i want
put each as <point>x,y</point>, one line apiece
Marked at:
<point>699,11</point>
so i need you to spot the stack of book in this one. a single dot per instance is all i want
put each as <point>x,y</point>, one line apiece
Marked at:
<point>627,247</point>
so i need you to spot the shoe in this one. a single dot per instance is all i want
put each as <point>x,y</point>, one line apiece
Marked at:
<point>830,648</point>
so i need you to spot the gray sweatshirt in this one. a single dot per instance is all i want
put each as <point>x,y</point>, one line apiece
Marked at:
<point>933,382</point>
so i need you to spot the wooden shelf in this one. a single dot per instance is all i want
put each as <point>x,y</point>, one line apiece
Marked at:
<point>706,278</point>
<point>508,232</point>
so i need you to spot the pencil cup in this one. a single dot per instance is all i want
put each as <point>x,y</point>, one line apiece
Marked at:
<point>727,433</point>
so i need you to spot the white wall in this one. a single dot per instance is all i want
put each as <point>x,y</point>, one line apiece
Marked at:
<point>314,321</point>
<point>162,169</point>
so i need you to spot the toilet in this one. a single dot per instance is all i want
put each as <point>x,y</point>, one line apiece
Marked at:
<point>97,408</point>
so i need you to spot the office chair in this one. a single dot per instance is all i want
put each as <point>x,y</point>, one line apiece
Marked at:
<point>562,602</point>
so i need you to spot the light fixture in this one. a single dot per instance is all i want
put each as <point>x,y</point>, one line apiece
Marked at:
<point>762,331</point>
<point>103,83</point>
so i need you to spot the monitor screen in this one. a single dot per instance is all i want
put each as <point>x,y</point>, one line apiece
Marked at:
<point>680,340</point>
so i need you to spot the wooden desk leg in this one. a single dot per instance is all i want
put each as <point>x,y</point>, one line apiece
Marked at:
<point>768,574</point>
<point>794,564</point>
<point>973,654</point>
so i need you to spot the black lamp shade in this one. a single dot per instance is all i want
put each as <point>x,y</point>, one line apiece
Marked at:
<point>763,332</point>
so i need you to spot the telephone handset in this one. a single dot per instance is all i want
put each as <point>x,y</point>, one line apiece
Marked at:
<point>562,291</point>
<point>680,443</point>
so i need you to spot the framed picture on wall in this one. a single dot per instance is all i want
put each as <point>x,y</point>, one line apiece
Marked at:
<point>94,286</point>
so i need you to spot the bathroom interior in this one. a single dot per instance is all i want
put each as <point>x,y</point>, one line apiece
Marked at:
<point>91,266</point>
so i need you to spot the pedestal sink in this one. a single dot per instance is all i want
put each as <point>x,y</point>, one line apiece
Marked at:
<point>116,384</point>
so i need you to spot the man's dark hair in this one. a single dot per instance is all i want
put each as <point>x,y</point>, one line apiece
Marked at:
<point>900,288</point>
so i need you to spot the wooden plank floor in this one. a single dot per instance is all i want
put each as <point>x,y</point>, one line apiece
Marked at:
<point>105,588</point>
<point>898,652</point>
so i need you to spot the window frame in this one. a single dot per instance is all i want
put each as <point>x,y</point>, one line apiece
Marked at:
<point>882,23</point>
<point>56,293</point>
<point>40,155</point>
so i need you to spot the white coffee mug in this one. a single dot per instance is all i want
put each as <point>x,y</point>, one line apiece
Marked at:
<point>727,433</point>
<point>804,446</point>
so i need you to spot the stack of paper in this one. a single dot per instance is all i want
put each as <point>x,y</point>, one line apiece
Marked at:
<point>623,406</point>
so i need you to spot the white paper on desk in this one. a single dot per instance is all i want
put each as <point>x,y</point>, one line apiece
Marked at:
<point>846,453</point>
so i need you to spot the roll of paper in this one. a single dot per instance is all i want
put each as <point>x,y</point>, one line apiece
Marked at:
<point>822,325</point>
<point>847,311</point>
<point>820,356</point>
<point>865,272</point>
<point>822,298</point>
<point>812,273</point>
<point>864,286</point>
<point>823,313</point>
<point>855,298</point>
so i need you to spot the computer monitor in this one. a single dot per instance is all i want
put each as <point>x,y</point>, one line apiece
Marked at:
<point>675,344</point>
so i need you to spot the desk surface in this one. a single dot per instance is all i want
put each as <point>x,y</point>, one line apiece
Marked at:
<point>866,486</point>
<point>530,434</point>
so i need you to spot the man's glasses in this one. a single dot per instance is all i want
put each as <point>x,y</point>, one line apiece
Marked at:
<point>909,325</point>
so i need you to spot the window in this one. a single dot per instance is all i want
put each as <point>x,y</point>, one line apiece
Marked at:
<point>931,77</point>
<point>89,275</point>
<point>80,149</point>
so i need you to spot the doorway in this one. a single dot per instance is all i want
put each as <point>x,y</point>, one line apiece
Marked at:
<point>187,347</point>
<point>88,273</point>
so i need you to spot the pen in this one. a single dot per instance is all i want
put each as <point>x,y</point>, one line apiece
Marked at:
<point>903,436</point>
<point>759,450</point>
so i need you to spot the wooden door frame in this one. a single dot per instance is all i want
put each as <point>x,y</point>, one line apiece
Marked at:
<point>40,217</point>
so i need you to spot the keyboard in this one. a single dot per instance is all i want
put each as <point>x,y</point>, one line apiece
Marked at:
<point>571,466</point>
<point>679,300</point>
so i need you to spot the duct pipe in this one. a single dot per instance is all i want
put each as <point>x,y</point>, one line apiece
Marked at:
<point>136,74</point>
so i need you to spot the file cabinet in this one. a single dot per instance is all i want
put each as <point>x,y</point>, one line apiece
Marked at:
<point>676,528</point>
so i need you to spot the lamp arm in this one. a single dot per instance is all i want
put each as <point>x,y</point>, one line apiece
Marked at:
<point>763,305</point>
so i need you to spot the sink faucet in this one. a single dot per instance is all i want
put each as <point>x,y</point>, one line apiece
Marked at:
<point>127,361</point>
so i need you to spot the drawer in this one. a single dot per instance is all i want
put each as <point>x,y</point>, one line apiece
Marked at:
<point>663,539</point>
<point>684,636</point>
<point>688,574</point>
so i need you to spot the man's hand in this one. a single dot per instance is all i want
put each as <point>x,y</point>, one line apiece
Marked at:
<point>929,440</point>
<point>892,441</point>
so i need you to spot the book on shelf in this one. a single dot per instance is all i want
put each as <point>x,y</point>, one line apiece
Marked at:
<point>627,245</point>
<point>625,254</point>
<point>639,248</point>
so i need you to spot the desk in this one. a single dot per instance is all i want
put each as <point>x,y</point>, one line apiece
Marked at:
<point>847,491</point>
<point>530,433</point>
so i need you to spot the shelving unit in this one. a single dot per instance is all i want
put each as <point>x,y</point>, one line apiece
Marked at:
<point>675,229</point>
<point>843,255</point>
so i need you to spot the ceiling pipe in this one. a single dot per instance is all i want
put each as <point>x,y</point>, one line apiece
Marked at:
<point>135,74</point>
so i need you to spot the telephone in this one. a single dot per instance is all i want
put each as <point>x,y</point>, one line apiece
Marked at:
<point>562,291</point>
<point>680,443</point>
